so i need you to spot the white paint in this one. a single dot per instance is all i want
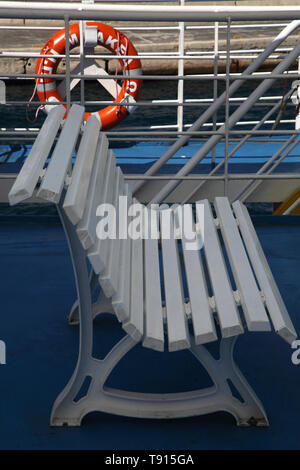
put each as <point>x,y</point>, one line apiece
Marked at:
<point>2,92</point>
<point>2,352</point>
<point>296,354</point>
<point>53,52</point>
<point>100,37</point>
<point>73,39</point>
<point>132,86</point>
<point>110,42</point>
<point>48,108</point>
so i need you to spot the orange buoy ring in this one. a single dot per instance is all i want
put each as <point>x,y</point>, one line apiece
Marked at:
<point>114,41</point>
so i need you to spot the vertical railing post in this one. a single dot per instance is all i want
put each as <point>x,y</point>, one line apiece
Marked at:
<point>215,86</point>
<point>68,73</point>
<point>228,32</point>
<point>82,55</point>
<point>82,59</point>
<point>180,87</point>
<point>208,113</point>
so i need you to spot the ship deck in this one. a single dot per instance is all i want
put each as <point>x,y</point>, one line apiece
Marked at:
<point>37,292</point>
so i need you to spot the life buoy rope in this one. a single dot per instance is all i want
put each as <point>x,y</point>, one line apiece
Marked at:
<point>113,40</point>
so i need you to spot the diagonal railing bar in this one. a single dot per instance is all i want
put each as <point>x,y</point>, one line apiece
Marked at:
<point>292,142</point>
<point>234,118</point>
<point>238,146</point>
<point>220,101</point>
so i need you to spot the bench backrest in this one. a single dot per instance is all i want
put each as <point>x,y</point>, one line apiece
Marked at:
<point>94,179</point>
<point>132,272</point>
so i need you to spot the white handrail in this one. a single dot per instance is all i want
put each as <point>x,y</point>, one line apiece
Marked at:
<point>153,12</point>
<point>182,51</point>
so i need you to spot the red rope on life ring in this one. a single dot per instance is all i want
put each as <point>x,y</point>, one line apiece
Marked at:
<point>114,41</point>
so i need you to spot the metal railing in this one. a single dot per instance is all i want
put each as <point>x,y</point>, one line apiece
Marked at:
<point>219,116</point>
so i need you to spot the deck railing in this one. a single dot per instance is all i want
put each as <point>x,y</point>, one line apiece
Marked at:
<point>223,116</point>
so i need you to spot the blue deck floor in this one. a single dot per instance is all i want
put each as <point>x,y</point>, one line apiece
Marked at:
<point>37,290</point>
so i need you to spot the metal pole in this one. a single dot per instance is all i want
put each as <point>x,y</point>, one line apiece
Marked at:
<point>162,13</point>
<point>292,207</point>
<point>215,86</point>
<point>82,60</point>
<point>234,118</point>
<point>68,72</point>
<point>232,176</point>
<point>252,185</point>
<point>180,89</point>
<point>220,101</point>
<point>227,107</point>
<point>235,149</point>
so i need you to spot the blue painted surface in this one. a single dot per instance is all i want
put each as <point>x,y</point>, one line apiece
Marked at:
<point>147,152</point>
<point>37,290</point>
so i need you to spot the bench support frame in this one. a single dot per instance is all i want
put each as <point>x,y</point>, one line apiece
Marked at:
<point>218,397</point>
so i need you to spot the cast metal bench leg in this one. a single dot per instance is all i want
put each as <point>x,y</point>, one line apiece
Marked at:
<point>67,410</point>
<point>171,405</point>
<point>245,406</point>
<point>102,304</point>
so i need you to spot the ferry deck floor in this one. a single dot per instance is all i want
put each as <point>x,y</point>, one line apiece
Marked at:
<point>37,291</point>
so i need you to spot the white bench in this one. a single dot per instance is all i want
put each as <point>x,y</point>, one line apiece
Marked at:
<point>129,273</point>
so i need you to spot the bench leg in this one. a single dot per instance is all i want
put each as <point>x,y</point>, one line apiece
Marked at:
<point>102,304</point>
<point>74,402</point>
<point>232,391</point>
<point>69,411</point>
<point>73,317</point>
<point>249,412</point>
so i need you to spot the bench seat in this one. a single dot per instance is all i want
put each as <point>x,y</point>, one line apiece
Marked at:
<point>196,274</point>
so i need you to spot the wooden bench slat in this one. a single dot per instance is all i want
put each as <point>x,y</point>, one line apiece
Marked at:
<point>154,327</point>
<point>230,322</point>
<point>202,317</point>
<point>276,307</point>
<point>116,298</point>
<point>28,177</point>
<point>114,269</point>
<point>106,274</point>
<point>251,301</point>
<point>54,178</point>
<point>121,301</point>
<point>86,229</point>
<point>178,335</point>
<point>75,199</point>
<point>98,253</point>
<point>135,324</point>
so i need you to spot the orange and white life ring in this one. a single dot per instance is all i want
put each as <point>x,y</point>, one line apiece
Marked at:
<point>114,41</point>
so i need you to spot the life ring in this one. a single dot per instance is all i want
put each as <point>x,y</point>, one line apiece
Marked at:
<point>114,41</point>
